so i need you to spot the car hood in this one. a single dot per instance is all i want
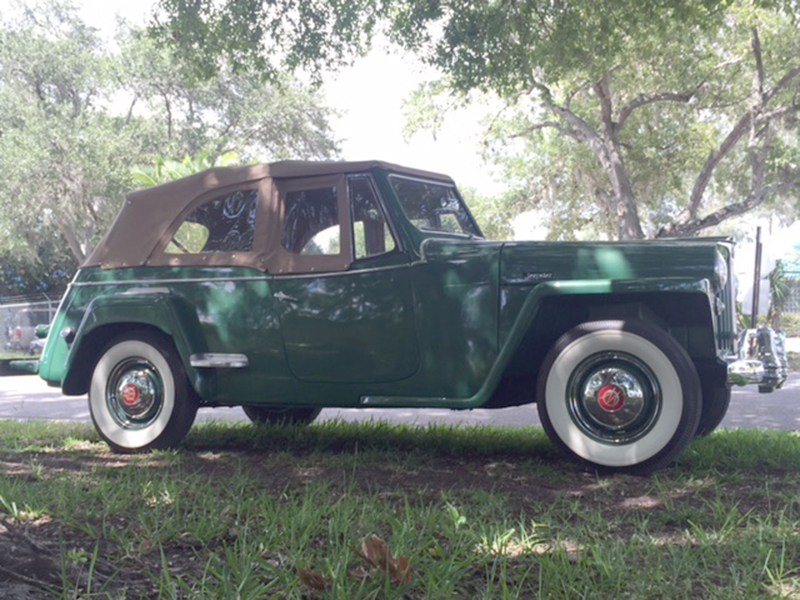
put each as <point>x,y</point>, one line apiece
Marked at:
<point>535,262</point>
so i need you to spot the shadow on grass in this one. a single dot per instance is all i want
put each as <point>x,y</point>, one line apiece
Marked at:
<point>725,451</point>
<point>371,436</point>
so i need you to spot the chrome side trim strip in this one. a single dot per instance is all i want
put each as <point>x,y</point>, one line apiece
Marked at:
<point>284,276</point>
<point>213,360</point>
<point>265,277</point>
<point>145,290</point>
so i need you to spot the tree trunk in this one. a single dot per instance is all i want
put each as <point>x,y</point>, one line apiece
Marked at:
<point>72,240</point>
<point>629,226</point>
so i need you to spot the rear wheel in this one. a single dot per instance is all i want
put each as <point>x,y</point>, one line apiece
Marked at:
<point>290,416</point>
<point>139,397</point>
<point>620,395</point>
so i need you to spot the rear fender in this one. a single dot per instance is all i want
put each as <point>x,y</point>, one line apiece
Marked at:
<point>109,316</point>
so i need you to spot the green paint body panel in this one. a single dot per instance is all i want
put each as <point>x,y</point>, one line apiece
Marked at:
<point>438,322</point>
<point>355,327</point>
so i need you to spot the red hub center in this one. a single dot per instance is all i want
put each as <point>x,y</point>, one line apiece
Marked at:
<point>611,398</point>
<point>130,394</point>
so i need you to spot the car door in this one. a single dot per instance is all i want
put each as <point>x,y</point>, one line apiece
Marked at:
<point>345,294</point>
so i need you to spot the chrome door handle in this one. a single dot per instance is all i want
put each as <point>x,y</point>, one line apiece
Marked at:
<point>284,297</point>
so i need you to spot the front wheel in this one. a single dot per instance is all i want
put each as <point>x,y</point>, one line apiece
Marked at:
<point>289,416</point>
<point>620,395</point>
<point>139,397</point>
<point>716,400</point>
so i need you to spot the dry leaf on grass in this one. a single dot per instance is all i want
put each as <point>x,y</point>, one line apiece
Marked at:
<point>375,551</point>
<point>314,580</point>
<point>359,573</point>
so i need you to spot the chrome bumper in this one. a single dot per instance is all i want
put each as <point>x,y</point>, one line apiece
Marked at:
<point>761,360</point>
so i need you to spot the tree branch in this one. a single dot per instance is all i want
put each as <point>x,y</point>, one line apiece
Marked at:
<point>783,82</point>
<point>741,127</point>
<point>758,77</point>
<point>603,92</point>
<point>69,235</point>
<point>573,93</point>
<point>694,226</point>
<point>130,109</point>
<point>765,118</point>
<point>642,100</point>
<point>573,133</point>
<point>581,127</point>
<point>714,158</point>
<point>605,198</point>
<point>535,85</point>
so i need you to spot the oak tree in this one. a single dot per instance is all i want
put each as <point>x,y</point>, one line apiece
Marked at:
<point>641,118</point>
<point>78,114</point>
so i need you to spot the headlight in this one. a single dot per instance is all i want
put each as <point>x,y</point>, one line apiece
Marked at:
<point>720,270</point>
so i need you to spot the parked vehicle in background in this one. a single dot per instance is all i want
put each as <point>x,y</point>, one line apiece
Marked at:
<point>36,346</point>
<point>22,327</point>
<point>293,286</point>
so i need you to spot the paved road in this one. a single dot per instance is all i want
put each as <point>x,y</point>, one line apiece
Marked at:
<point>27,397</point>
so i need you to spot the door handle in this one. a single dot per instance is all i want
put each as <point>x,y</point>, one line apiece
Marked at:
<point>284,297</point>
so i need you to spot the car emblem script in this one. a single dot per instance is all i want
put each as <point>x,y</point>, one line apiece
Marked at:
<point>611,398</point>
<point>130,394</point>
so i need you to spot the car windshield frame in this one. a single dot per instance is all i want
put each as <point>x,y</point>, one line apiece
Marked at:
<point>436,206</point>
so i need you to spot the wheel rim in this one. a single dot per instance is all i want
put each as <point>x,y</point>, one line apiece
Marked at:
<point>614,398</point>
<point>135,393</point>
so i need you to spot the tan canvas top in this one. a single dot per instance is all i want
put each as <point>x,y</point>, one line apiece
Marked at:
<point>146,214</point>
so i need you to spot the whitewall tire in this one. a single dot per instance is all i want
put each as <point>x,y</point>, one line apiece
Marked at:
<point>139,397</point>
<point>620,395</point>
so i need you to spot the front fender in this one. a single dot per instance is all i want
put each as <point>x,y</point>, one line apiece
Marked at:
<point>108,316</point>
<point>522,307</point>
<point>529,314</point>
<point>604,287</point>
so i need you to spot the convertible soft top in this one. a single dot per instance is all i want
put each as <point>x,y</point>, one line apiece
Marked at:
<point>147,213</point>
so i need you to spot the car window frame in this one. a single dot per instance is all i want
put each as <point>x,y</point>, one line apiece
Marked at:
<point>247,258</point>
<point>282,261</point>
<point>435,232</point>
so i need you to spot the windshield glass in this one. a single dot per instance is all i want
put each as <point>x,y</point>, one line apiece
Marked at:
<point>433,206</point>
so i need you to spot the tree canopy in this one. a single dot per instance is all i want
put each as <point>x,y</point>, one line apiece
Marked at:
<point>633,118</point>
<point>78,114</point>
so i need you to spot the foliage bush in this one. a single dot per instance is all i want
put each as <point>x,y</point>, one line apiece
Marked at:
<point>790,323</point>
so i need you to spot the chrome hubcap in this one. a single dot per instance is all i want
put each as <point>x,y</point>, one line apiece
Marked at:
<point>614,397</point>
<point>134,393</point>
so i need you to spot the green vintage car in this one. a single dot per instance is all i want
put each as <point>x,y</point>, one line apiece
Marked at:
<point>288,287</point>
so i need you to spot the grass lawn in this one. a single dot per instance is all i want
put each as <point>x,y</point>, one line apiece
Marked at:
<point>371,510</point>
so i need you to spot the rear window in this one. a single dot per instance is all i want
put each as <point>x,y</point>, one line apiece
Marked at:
<point>223,224</point>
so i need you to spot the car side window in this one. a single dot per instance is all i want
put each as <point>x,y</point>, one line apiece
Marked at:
<point>223,224</point>
<point>311,222</point>
<point>372,235</point>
